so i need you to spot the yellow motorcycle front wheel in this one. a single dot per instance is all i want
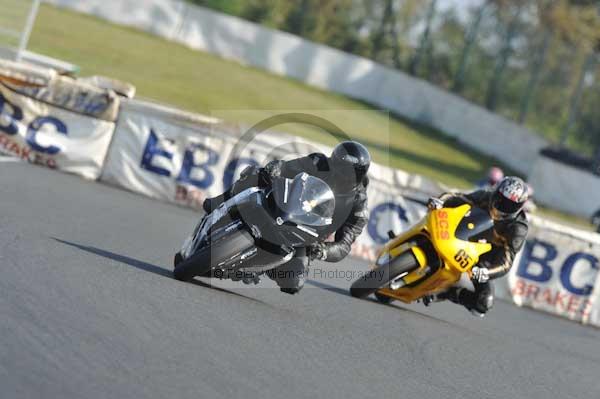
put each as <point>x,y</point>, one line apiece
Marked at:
<point>383,299</point>
<point>383,275</point>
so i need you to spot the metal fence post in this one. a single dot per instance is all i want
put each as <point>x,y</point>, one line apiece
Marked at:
<point>27,31</point>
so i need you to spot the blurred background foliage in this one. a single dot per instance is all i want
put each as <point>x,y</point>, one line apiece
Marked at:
<point>533,61</point>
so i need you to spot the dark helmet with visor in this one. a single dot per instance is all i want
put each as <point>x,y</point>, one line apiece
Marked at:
<point>508,198</point>
<point>351,154</point>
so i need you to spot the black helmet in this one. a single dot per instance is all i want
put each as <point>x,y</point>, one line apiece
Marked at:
<point>352,154</point>
<point>508,198</point>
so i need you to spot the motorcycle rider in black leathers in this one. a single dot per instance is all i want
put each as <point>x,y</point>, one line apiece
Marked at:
<point>346,173</point>
<point>505,204</point>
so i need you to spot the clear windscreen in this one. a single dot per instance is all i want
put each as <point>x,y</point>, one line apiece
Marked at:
<point>304,200</point>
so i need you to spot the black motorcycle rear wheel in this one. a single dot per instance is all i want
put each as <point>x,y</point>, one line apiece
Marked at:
<point>205,260</point>
<point>381,276</point>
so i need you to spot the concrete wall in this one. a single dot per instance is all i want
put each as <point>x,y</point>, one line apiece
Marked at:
<point>565,188</point>
<point>326,68</point>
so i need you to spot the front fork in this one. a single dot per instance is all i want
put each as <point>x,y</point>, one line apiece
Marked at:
<point>401,280</point>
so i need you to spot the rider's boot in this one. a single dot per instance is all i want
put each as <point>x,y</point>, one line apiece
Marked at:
<point>251,278</point>
<point>290,277</point>
<point>429,299</point>
<point>210,204</point>
<point>454,295</point>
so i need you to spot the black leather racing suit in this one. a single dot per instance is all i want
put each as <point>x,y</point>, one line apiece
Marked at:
<point>349,219</point>
<point>509,238</point>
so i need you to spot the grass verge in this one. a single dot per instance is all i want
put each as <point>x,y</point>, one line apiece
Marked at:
<point>200,82</point>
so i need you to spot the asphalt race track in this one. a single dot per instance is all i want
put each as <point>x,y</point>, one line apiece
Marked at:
<point>88,309</point>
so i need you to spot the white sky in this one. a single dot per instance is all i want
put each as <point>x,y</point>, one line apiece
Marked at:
<point>462,6</point>
<point>444,4</point>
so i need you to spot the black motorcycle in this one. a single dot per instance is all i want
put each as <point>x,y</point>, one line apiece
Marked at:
<point>257,230</point>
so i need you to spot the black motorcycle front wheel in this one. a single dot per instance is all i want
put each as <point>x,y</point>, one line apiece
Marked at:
<point>381,276</point>
<point>203,262</point>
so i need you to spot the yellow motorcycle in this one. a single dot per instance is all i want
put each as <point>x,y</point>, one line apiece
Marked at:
<point>430,257</point>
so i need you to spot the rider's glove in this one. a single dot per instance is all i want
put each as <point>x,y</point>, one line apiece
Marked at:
<point>317,251</point>
<point>264,178</point>
<point>266,174</point>
<point>435,203</point>
<point>480,274</point>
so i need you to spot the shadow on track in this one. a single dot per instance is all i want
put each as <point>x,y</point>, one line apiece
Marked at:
<point>328,287</point>
<point>138,264</point>
<point>341,291</point>
<point>147,267</point>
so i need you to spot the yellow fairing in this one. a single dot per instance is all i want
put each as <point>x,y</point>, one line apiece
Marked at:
<point>442,224</point>
<point>420,255</point>
<point>400,244</point>
<point>456,256</point>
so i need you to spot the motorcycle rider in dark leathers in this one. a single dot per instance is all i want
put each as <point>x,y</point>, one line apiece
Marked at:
<point>504,202</point>
<point>346,173</point>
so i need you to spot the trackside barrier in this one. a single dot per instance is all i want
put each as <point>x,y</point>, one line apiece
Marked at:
<point>324,67</point>
<point>557,272</point>
<point>182,158</point>
<point>55,121</point>
<point>548,174</point>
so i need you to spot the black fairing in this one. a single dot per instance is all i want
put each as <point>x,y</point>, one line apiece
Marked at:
<point>260,220</point>
<point>476,226</point>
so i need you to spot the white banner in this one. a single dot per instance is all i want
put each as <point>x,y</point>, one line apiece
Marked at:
<point>51,136</point>
<point>557,272</point>
<point>172,155</point>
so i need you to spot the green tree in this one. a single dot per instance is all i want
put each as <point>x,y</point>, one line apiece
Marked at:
<point>534,61</point>
<point>424,41</point>
<point>469,42</point>
<point>233,7</point>
<point>511,30</point>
